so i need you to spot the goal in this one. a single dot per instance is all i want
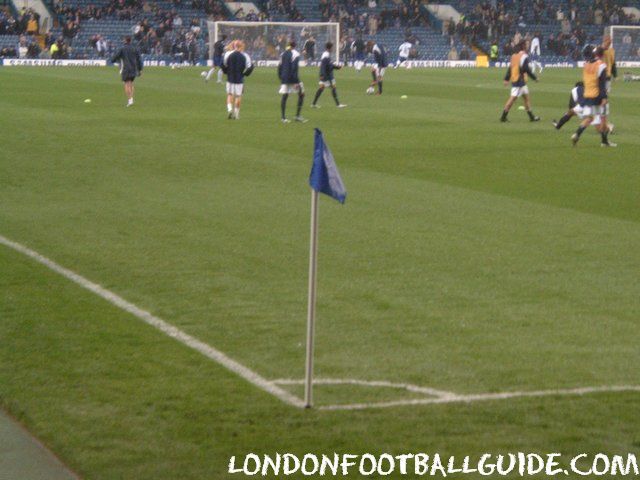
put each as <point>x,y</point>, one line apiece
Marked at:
<point>267,40</point>
<point>626,42</point>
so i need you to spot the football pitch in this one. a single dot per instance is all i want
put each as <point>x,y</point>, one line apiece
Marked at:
<point>478,292</point>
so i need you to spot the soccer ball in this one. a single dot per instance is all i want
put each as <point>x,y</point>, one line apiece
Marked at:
<point>203,74</point>
<point>370,91</point>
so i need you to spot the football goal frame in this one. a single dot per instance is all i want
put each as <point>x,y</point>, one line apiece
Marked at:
<point>627,56</point>
<point>612,28</point>
<point>333,31</point>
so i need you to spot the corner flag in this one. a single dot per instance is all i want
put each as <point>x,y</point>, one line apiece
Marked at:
<point>324,175</point>
<point>324,178</point>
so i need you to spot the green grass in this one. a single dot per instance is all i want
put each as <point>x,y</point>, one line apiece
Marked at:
<point>470,256</point>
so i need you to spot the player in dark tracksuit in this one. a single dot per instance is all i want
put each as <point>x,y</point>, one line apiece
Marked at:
<point>379,65</point>
<point>326,77</point>
<point>576,102</point>
<point>130,67</point>
<point>358,48</point>
<point>218,57</point>
<point>237,65</point>
<point>289,80</point>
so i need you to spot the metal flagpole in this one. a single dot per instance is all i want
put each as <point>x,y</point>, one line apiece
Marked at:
<point>311,308</point>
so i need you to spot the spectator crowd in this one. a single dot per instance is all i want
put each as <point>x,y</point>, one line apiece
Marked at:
<point>162,31</point>
<point>506,22</point>
<point>26,23</point>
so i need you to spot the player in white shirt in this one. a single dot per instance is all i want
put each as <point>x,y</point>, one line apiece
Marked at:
<point>403,53</point>
<point>534,53</point>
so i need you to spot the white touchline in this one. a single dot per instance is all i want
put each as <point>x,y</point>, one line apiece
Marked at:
<point>435,396</point>
<point>161,325</point>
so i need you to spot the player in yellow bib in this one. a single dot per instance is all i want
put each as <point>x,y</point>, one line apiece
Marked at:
<point>517,74</point>
<point>596,102</point>
<point>609,57</point>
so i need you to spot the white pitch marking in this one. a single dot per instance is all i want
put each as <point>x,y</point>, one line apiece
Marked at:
<point>480,397</point>
<point>370,383</point>
<point>271,386</point>
<point>161,325</point>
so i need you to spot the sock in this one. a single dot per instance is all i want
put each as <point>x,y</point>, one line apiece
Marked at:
<point>220,75</point>
<point>229,108</point>
<point>209,73</point>
<point>565,118</point>
<point>373,75</point>
<point>605,137</point>
<point>504,114</point>
<point>236,112</point>
<point>318,93</point>
<point>380,87</point>
<point>334,92</point>
<point>283,104</point>
<point>530,113</point>
<point>300,102</point>
<point>580,130</point>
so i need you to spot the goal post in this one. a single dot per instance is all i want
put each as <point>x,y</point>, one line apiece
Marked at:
<point>626,42</point>
<point>267,40</point>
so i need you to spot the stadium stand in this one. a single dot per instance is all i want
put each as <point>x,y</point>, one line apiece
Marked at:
<point>176,30</point>
<point>564,26</point>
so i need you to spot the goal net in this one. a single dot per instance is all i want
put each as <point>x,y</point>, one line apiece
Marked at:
<point>267,40</point>
<point>626,42</point>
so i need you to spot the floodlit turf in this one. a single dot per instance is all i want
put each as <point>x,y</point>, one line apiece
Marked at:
<point>471,256</point>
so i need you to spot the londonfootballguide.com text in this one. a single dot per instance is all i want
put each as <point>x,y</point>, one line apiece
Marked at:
<point>436,465</point>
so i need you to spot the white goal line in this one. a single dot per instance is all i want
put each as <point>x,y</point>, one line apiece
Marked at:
<point>441,396</point>
<point>370,383</point>
<point>484,397</point>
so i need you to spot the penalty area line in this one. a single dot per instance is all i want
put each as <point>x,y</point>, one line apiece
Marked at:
<point>161,325</point>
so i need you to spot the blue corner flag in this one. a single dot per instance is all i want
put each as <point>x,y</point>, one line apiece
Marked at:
<point>324,175</point>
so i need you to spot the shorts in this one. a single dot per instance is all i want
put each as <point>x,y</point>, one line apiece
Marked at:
<point>595,110</point>
<point>402,59</point>
<point>519,91</point>
<point>235,89</point>
<point>128,77</point>
<point>217,61</point>
<point>287,88</point>
<point>360,57</point>
<point>379,71</point>
<point>328,83</point>
<point>578,110</point>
